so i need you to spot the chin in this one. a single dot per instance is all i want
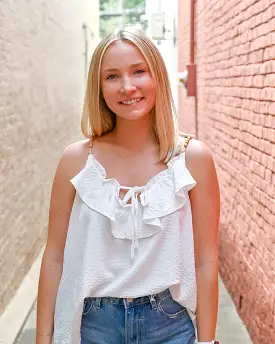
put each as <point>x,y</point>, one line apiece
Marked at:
<point>134,117</point>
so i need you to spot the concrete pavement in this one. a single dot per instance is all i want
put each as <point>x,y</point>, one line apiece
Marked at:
<point>230,328</point>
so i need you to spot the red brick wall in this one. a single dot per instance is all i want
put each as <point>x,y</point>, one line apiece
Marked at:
<point>235,57</point>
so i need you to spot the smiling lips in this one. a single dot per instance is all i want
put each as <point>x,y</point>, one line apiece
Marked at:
<point>131,101</point>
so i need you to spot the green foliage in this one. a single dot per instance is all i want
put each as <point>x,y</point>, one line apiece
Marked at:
<point>108,5</point>
<point>133,3</point>
<point>108,24</point>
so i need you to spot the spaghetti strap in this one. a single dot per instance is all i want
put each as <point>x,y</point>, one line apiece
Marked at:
<point>91,144</point>
<point>188,139</point>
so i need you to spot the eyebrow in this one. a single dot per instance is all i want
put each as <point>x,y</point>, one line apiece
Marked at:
<point>132,66</point>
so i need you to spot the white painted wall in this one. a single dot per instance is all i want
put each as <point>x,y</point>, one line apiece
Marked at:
<point>166,47</point>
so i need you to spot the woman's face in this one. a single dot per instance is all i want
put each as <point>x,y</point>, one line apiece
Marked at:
<point>126,82</point>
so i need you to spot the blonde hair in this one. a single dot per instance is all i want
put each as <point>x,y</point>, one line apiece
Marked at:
<point>98,119</point>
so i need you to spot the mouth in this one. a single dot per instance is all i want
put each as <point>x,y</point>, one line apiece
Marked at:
<point>131,102</point>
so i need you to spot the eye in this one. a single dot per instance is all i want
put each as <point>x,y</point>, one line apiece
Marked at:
<point>139,71</point>
<point>111,77</point>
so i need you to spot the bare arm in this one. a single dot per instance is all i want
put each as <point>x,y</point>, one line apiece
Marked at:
<point>205,202</point>
<point>62,197</point>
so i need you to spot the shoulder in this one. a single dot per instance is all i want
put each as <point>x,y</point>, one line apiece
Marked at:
<point>77,148</point>
<point>73,157</point>
<point>200,160</point>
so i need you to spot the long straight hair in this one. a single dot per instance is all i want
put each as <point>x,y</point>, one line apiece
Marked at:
<point>98,119</point>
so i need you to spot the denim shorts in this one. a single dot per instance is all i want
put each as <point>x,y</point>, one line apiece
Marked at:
<point>154,319</point>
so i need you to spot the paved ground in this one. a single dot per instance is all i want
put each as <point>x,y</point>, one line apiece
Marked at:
<point>230,327</point>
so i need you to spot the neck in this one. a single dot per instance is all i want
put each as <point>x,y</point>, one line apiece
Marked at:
<point>134,135</point>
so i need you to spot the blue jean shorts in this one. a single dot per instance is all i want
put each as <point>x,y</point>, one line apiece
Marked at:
<point>154,319</point>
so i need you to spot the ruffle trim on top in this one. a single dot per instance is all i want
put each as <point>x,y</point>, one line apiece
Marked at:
<point>163,194</point>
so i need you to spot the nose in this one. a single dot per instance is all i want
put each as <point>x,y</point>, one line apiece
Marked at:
<point>127,86</point>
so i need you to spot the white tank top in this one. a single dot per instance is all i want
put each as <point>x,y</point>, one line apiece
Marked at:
<point>119,249</point>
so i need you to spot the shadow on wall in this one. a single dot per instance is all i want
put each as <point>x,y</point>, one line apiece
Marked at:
<point>27,337</point>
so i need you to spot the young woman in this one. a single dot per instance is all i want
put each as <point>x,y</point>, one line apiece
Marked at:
<point>131,255</point>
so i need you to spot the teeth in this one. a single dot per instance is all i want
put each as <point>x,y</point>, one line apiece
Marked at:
<point>133,101</point>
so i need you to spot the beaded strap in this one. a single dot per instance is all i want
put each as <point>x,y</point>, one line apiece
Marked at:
<point>187,141</point>
<point>91,144</point>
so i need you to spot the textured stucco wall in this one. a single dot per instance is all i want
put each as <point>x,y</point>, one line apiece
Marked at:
<point>41,94</point>
<point>235,57</point>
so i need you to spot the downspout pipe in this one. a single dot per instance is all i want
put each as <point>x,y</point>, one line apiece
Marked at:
<point>191,66</point>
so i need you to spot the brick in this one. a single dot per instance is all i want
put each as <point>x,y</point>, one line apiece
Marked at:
<point>258,81</point>
<point>271,110</point>
<point>41,90</point>
<point>269,80</point>
<point>269,94</point>
<point>258,43</point>
<point>269,53</point>
<point>271,163</point>
<point>268,121</point>
<point>237,118</point>
<point>271,135</point>
<point>268,175</point>
<point>257,130</point>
